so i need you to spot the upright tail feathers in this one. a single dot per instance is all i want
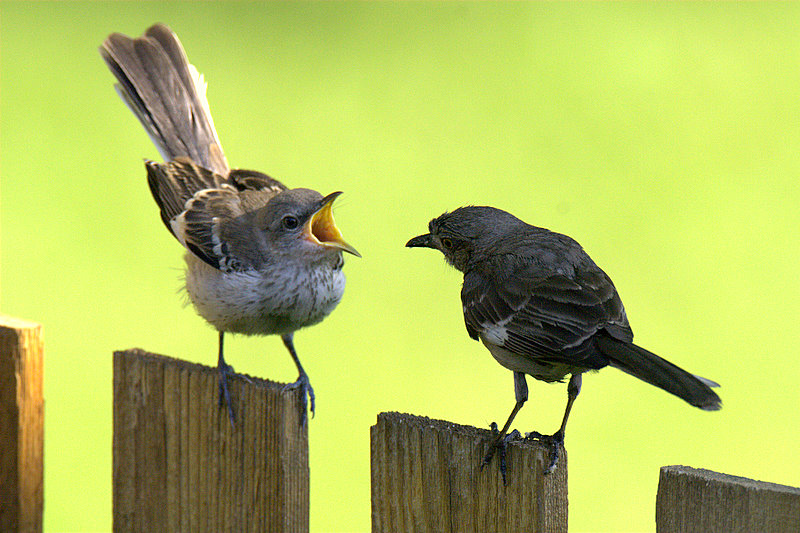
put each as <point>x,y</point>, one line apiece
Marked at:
<point>166,94</point>
<point>657,371</point>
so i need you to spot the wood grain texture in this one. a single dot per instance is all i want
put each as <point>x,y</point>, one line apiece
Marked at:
<point>180,466</point>
<point>426,476</point>
<point>21,426</point>
<point>697,500</point>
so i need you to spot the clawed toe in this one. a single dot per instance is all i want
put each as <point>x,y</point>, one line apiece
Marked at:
<point>554,441</point>
<point>498,446</point>
<point>306,394</point>
<point>226,370</point>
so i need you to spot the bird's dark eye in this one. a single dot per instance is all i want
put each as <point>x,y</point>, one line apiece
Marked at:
<point>290,222</point>
<point>447,243</point>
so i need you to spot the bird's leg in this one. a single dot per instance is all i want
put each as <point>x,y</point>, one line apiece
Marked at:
<point>556,440</point>
<point>225,370</point>
<point>302,382</point>
<point>499,443</point>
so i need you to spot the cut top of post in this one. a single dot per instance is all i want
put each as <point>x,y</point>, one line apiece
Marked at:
<point>427,476</point>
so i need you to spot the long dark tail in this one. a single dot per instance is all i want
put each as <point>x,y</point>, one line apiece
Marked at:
<point>651,368</point>
<point>166,94</point>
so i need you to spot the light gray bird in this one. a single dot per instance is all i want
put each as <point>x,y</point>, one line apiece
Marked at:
<point>261,259</point>
<point>543,308</point>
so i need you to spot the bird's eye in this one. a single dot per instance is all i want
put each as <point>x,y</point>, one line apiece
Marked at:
<point>290,222</point>
<point>447,243</point>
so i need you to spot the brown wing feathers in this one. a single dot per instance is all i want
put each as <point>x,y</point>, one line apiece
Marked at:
<point>166,94</point>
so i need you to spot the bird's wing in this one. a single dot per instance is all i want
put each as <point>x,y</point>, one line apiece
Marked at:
<point>175,183</point>
<point>547,318</point>
<point>252,180</point>
<point>199,207</point>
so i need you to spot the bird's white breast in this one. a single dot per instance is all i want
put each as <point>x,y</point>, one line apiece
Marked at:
<point>263,302</point>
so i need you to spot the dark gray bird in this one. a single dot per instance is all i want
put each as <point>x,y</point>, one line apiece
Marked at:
<point>543,308</point>
<point>261,259</point>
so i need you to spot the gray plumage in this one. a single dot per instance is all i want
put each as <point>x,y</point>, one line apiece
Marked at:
<point>261,258</point>
<point>167,95</point>
<point>543,308</point>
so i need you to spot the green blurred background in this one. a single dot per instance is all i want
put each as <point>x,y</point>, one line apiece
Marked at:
<point>664,137</point>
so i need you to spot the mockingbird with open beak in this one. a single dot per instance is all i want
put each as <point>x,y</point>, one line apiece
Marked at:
<point>261,259</point>
<point>543,308</point>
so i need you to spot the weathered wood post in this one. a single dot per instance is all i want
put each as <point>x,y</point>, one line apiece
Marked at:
<point>426,476</point>
<point>21,426</point>
<point>180,466</point>
<point>697,500</point>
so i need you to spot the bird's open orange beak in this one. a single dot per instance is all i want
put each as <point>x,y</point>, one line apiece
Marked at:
<point>321,228</point>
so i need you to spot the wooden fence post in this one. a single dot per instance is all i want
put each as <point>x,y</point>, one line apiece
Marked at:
<point>21,426</point>
<point>426,476</point>
<point>697,500</point>
<point>180,466</point>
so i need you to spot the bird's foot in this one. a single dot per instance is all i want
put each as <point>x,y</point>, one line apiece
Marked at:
<point>498,446</point>
<point>306,394</point>
<point>554,441</point>
<point>226,370</point>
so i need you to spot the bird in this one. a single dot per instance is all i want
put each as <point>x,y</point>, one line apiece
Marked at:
<point>543,308</point>
<point>261,258</point>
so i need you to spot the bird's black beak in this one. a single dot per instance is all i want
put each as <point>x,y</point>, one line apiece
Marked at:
<point>422,241</point>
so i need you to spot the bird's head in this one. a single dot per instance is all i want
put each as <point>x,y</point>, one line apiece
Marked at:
<point>300,221</point>
<point>468,234</point>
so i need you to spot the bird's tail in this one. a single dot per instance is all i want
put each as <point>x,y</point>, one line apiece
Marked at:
<point>651,368</point>
<point>166,94</point>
